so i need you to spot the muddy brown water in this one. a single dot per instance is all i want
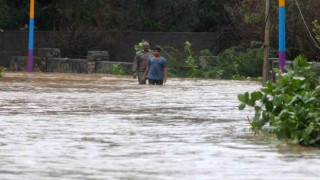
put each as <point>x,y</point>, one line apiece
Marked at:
<point>84,126</point>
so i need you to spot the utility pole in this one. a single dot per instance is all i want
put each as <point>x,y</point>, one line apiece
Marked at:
<point>266,44</point>
<point>282,35</point>
<point>31,37</point>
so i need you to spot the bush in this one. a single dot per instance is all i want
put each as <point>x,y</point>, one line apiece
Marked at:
<point>177,62</point>
<point>117,70</point>
<point>290,108</point>
<point>234,63</point>
<point>2,69</point>
<point>243,62</point>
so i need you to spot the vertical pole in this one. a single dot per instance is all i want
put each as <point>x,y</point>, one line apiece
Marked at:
<point>266,44</point>
<point>31,37</point>
<point>282,35</point>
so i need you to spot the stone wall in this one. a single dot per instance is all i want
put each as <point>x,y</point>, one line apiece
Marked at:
<point>50,60</point>
<point>119,45</point>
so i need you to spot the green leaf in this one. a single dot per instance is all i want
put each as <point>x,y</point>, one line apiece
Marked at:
<point>242,106</point>
<point>257,95</point>
<point>295,99</point>
<point>244,97</point>
<point>278,99</point>
<point>277,110</point>
<point>316,92</point>
<point>251,102</point>
<point>269,106</point>
<point>311,100</point>
<point>308,131</point>
<point>265,115</point>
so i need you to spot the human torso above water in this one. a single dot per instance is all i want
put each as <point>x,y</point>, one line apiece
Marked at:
<point>156,71</point>
<point>141,62</point>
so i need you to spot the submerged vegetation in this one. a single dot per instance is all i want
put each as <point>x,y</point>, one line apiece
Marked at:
<point>117,70</point>
<point>290,107</point>
<point>238,63</point>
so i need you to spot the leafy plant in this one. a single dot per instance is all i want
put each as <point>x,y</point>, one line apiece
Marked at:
<point>117,70</point>
<point>239,63</point>
<point>2,69</point>
<point>316,29</point>
<point>191,62</point>
<point>253,18</point>
<point>242,62</point>
<point>290,107</point>
<point>138,47</point>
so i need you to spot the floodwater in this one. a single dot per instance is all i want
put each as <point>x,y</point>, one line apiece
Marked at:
<point>83,126</point>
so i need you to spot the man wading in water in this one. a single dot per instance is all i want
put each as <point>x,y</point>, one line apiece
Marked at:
<point>156,71</point>
<point>140,62</point>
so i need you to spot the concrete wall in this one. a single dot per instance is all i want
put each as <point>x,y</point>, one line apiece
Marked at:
<point>67,65</point>
<point>120,46</point>
<point>50,60</point>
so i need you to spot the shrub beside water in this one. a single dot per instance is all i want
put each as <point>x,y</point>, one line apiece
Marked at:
<point>234,63</point>
<point>117,70</point>
<point>2,69</point>
<point>290,107</point>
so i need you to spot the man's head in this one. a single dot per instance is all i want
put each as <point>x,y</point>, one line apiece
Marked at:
<point>156,51</point>
<point>145,46</point>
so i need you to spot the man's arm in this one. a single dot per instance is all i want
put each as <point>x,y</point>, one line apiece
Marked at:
<point>165,71</point>
<point>146,72</point>
<point>135,65</point>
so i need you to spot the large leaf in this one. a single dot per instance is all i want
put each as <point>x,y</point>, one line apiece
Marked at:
<point>278,99</point>
<point>256,95</point>
<point>269,106</point>
<point>244,97</point>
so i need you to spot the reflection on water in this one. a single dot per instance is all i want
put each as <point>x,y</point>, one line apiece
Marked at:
<point>81,126</point>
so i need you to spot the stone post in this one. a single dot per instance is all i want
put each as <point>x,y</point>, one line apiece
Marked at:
<point>93,57</point>
<point>46,53</point>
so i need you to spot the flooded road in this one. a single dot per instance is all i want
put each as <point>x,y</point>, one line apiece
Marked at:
<point>83,126</point>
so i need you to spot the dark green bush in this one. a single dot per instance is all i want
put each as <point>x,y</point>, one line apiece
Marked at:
<point>243,62</point>
<point>233,63</point>
<point>290,108</point>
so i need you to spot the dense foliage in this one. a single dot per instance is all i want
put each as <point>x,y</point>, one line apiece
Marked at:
<point>233,63</point>
<point>137,15</point>
<point>290,107</point>
<point>245,18</point>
